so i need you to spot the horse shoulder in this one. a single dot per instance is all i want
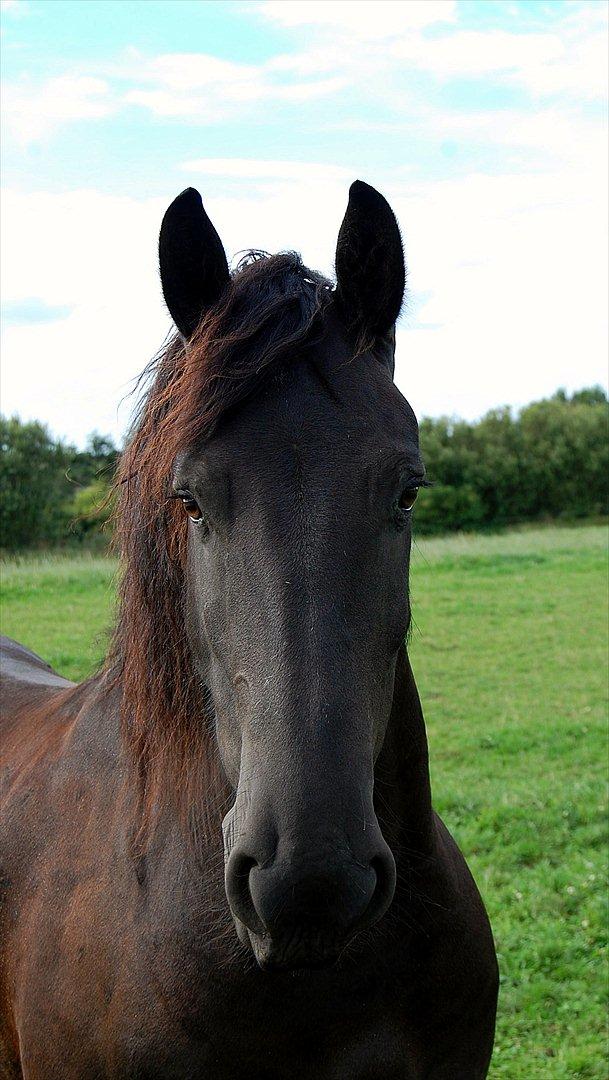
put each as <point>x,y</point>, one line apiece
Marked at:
<point>456,995</point>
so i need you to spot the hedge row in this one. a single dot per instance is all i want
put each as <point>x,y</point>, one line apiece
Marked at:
<point>50,492</point>
<point>548,461</point>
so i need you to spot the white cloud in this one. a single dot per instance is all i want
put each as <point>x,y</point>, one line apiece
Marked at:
<point>191,86</point>
<point>262,169</point>
<point>546,64</point>
<point>391,37</point>
<point>478,52</point>
<point>509,283</point>
<point>547,136</point>
<point>380,46</point>
<point>363,18</point>
<point>95,254</point>
<point>194,84</point>
<point>32,112</point>
<point>580,71</point>
<point>207,89</point>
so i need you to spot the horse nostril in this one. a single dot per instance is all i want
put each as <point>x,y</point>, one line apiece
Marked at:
<point>384,868</point>
<point>237,884</point>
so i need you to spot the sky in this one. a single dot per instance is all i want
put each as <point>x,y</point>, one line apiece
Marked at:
<point>483,122</point>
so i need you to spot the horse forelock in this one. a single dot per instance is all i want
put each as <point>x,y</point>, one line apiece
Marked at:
<point>270,309</point>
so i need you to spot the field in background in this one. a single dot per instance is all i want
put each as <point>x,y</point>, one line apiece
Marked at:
<point>509,648</point>
<point>60,606</point>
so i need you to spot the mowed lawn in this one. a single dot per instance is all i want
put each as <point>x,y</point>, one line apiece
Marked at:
<point>510,652</point>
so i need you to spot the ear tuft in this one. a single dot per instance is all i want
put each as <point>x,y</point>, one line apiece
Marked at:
<point>370,270</point>
<point>194,270</point>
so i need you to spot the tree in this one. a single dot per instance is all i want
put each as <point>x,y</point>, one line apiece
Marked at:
<point>551,460</point>
<point>51,492</point>
<point>33,484</point>
<point>91,509</point>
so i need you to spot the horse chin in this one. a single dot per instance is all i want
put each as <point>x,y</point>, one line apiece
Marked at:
<point>297,954</point>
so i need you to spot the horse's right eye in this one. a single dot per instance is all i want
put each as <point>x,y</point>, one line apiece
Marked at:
<point>192,508</point>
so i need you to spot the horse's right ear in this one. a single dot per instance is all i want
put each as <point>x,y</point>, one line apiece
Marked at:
<point>194,270</point>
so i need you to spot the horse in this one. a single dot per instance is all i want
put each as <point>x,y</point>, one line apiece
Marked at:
<point>219,857</point>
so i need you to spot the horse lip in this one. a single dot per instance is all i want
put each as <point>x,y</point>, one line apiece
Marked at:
<point>302,954</point>
<point>298,965</point>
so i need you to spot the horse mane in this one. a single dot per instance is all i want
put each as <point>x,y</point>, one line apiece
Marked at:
<point>269,311</point>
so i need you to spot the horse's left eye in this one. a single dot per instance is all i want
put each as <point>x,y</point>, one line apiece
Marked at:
<point>192,508</point>
<point>407,499</point>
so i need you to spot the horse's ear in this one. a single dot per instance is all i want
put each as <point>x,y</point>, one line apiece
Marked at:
<point>194,270</point>
<point>370,270</point>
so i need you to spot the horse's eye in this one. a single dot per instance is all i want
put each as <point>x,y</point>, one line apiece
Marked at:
<point>407,499</point>
<point>192,508</point>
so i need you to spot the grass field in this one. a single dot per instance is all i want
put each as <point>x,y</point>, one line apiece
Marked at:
<point>510,652</point>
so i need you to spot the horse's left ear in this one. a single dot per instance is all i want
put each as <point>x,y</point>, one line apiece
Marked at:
<point>370,270</point>
<point>194,270</point>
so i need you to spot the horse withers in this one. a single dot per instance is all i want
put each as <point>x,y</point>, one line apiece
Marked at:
<point>219,857</point>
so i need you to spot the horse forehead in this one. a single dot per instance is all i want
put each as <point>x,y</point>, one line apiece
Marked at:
<point>321,410</point>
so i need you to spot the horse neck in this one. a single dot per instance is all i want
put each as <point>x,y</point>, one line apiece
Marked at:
<point>402,784</point>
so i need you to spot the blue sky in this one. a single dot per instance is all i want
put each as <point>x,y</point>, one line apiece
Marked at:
<point>484,123</point>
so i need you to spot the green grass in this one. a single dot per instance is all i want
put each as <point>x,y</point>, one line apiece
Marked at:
<point>60,606</point>
<point>509,649</point>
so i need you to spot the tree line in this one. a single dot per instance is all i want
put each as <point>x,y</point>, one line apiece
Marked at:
<point>52,494</point>
<point>547,461</point>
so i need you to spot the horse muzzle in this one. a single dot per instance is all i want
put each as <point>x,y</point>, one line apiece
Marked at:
<point>301,912</point>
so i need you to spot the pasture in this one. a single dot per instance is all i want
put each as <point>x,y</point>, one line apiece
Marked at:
<point>509,649</point>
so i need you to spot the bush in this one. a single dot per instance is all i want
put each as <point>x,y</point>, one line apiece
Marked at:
<point>451,508</point>
<point>32,485</point>
<point>45,485</point>
<point>549,461</point>
<point>91,508</point>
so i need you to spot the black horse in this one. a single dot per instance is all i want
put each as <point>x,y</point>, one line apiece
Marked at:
<point>219,854</point>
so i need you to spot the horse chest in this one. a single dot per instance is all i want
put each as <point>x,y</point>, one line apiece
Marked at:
<point>158,995</point>
<point>237,1036</point>
<point>191,1012</point>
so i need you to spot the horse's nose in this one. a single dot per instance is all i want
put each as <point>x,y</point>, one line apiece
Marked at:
<point>313,895</point>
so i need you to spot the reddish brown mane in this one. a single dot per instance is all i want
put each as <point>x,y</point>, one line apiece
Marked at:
<point>270,308</point>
